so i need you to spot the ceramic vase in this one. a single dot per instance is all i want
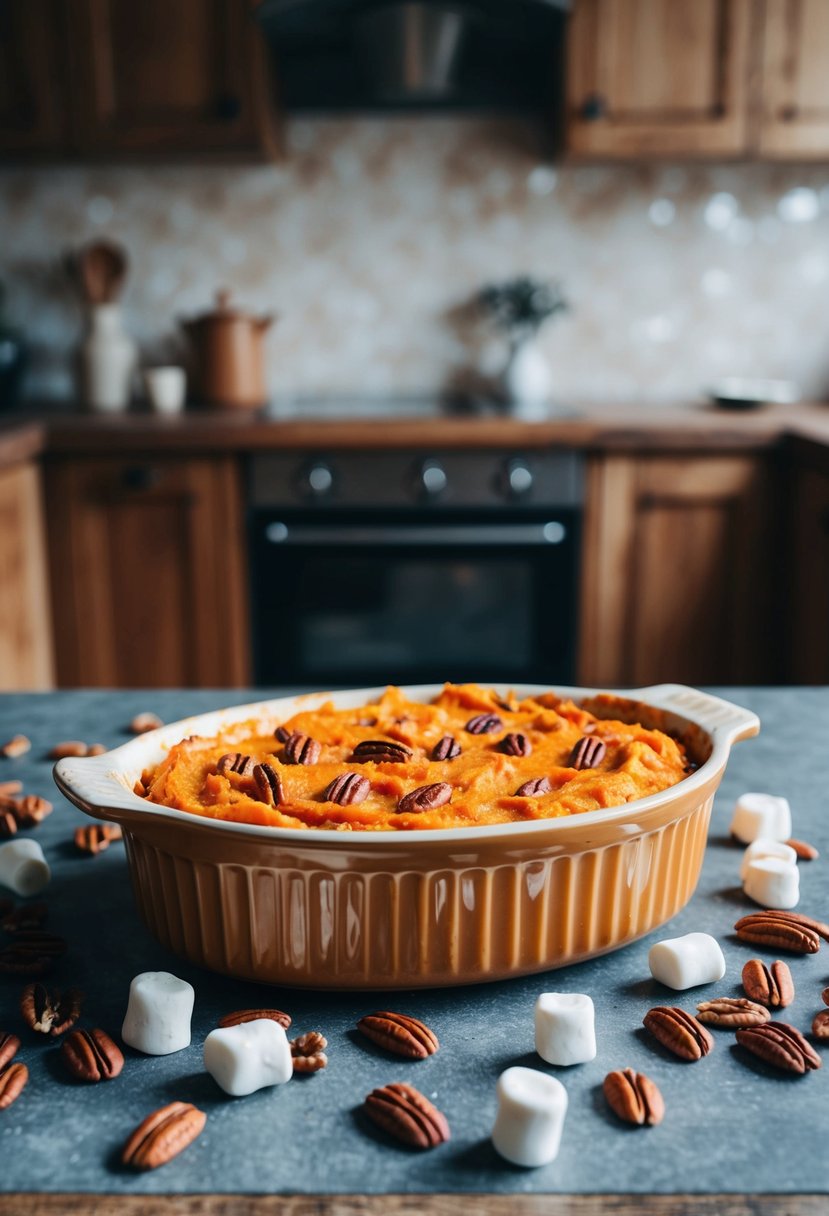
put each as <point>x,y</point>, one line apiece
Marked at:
<point>108,359</point>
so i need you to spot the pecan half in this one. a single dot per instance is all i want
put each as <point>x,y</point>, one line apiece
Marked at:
<point>163,1135</point>
<point>515,744</point>
<point>51,1013</point>
<point>534,788</point>
<point>381,751</point>
<point>804,850</point>
<point>308,1052</point>
<point>31,810</point>
<point>634,1097</point>
<point>96,749</point>
<point>483,724</point>
<point>255,1015</point>
<point>281,734</point>
<point>679,1031</point>
<point>141,723</point>
<point>91,1055</point>
<point>347,790</point>
<point>268,785</point>
<point>7,788</point>
<point>235,762</point>
<point>404,1113</point>
<point>12,1083</point>
<point>96,837</point>
<point>72,747</point>
<point>446,748</point>
<point>781,1046</point>
<point>18,745</point>
<point>32,952</point>
<point>9,1047</point>
<point>588,753</point>
<point>28,916</point>
<point>302,749</point>
<point>775,930</point>
<point>820,1025</point>
<point>400,1034</point>
<point>824,996</point>
<point>772,986</point>
<point>425,798</point>
<point>732,1011</point>
<point>8,824</point>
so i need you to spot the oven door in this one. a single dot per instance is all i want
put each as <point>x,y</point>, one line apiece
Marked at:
<point>350,599</point>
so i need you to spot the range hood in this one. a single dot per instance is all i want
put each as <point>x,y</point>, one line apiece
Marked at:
<point>416,54</point>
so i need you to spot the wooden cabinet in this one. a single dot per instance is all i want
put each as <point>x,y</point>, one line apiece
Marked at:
<point>148,572</point>
<point>25,632</point>
<point>808,574</point>
<point>794,120</point>
<point>118,79</point>
<point>32,77</point>
<point>658,77</point>
<point>679,577</point>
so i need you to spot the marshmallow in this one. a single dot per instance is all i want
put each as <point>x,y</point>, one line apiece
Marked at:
<point>530,1119</point>
<point>761,815</point>
<point>564,1028</point>
<point>23,867</point>
<point>772,882</point>
<point>251,1056</point>
<point>764,847</point>
<point>158,1015</point>
<point>685,962</point>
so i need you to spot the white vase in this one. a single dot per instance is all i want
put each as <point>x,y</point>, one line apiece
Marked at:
<point>528,382</point>
<point>108,357</point>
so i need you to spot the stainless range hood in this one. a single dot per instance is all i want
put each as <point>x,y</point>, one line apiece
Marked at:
<point>416,54</point>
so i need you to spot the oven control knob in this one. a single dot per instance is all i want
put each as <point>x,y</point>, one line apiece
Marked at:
<point>432,479</point>
<point>317,479</point>
<point>518,479</point>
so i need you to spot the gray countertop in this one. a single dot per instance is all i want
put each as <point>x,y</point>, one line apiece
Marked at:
<point>732,1125</point>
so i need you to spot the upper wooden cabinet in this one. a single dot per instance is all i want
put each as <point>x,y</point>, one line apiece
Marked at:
<point>118,79</point>
<point>658,77</point>
<point>149,578</point>
<point>794,119</point>
<point>157,77</point>
<point>32,77</point>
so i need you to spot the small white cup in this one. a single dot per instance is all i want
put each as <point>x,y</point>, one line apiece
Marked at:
<point>166,389</point>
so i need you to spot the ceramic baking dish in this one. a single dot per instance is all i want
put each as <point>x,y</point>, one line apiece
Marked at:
<point>328,909</point>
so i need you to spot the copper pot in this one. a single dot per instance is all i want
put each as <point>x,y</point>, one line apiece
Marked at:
<point>229,348</point>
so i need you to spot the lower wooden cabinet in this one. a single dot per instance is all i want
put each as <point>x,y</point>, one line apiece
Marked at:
<point>25,633</point>
<point>679,571</point>
<point>808,584</point>
<point>148,572</point>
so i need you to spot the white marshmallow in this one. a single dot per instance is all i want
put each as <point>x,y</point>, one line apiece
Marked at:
<point>23,867</point>
<point>761,815</point>
<point>530,1119</point>
<point>772,882</point>
<point>764,847</point>
<point>565,1030</point>
<point>251,1056</point>
<point>158,1015</point>
<point>685,962</point>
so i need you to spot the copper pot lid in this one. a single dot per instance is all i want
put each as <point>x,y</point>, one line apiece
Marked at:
<point>226,311</point>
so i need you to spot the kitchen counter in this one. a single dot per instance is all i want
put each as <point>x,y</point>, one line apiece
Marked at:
<point>738,1139</point>
<point>617,429</point>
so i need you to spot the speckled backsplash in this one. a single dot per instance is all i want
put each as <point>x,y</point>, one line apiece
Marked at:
<point>372,235</point>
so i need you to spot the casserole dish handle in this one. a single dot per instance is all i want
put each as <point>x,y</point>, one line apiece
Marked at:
<point>722,719</point>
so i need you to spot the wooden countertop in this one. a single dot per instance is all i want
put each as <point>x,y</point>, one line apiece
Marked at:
<point>618,429</point>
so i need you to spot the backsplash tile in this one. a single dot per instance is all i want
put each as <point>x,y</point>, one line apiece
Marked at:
<point>372,234</point>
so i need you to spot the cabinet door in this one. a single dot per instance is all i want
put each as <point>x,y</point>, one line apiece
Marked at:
<point>148,572</point>
<point>795,79</point>
<point>25,634</point>
<point>809,602</point>
<point>156,78</point>
<point>678,581</point>
<point>658,78</point>
<point>32,46</point>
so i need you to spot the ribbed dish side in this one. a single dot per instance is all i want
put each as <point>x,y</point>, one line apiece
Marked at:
<point>356,929</point>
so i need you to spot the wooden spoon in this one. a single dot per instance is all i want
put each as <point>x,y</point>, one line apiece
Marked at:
<point>102,270</point>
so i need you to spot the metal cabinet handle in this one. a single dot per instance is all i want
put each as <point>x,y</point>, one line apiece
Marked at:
<point>139,477</point>
<point>594,107</point>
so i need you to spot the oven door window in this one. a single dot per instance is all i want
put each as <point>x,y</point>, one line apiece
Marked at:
<point>363,611</point>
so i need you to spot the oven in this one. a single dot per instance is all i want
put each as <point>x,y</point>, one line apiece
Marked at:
<point>398,567</point>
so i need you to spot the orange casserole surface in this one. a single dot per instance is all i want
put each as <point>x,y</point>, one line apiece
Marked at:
<point>479,784</point>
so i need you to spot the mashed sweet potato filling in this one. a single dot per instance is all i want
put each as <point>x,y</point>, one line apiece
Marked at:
<point>484,777</point>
